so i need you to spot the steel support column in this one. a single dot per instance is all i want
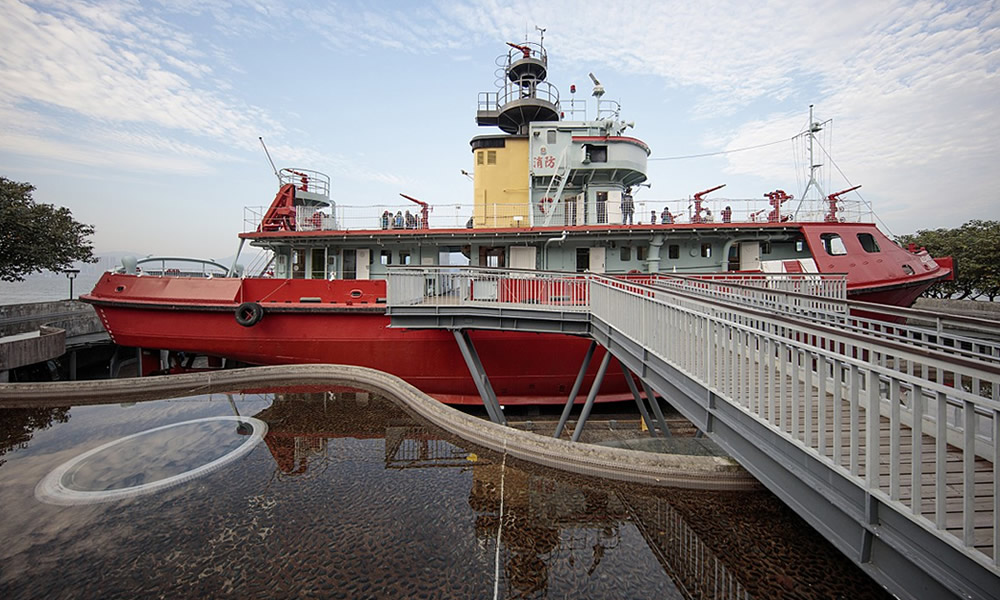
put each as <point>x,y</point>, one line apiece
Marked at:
<point>638,399</point>
<point>656,407</point>
<point>591,396</point>
<point>479,376</point>
<point>576,389</point>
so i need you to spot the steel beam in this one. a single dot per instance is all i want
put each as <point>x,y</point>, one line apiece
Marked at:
<point>576,389</point>
<point>656,407</point>
<point>638,399</point>
<point>479,376</point>
<point>590,397</point>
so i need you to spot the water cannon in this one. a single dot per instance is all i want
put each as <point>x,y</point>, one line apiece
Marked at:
<point>698,199</point>
<point>832,199</point>
<point>524,49</point>
<point>424,210</point>
<point>598,88</point>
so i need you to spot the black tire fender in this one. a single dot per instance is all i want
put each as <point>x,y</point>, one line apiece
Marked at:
<point>249,314</point>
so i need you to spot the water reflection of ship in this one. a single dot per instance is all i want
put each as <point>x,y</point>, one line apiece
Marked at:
<point>546,518</point>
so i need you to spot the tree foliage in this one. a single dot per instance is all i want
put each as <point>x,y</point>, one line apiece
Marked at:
<point>975,247</point>
<point>36,237</point>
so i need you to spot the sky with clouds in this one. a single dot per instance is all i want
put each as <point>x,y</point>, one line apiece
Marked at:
<point>144,117</point>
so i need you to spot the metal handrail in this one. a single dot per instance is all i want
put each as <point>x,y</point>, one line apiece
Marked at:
<point>785,371</point>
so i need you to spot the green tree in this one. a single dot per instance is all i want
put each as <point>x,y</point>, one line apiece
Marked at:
<point>975,246</point>
<point>35,237</point>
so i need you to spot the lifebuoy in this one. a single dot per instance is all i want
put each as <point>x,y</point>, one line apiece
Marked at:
<point>541,204</point>
<point>249,314</point>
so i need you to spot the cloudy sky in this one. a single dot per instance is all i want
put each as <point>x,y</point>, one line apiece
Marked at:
<point>144,117</point>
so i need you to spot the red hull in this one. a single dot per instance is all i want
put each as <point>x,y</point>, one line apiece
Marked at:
<point>523,368</point>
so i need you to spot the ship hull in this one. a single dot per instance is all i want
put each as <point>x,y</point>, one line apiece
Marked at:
<point>523,368</point>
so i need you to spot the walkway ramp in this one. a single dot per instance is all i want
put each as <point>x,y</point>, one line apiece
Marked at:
<point>882,435</point>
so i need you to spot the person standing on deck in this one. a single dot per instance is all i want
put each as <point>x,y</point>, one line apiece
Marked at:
<point>666,217</point>
<point>652,217</point>
<point>628,207</point>
<point>727,215</point>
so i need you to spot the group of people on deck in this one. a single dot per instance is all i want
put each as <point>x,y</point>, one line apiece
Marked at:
<point>666,217</point>
<point>401,221</point>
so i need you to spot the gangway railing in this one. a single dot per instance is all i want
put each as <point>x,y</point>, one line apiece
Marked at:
<point>913,427</point>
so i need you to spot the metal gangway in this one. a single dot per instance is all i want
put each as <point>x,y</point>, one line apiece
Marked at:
<point>882,434</point>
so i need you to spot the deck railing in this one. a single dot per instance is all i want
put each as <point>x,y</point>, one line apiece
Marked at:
<point>855,401</point>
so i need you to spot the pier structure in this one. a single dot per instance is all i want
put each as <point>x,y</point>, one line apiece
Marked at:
<point>877,425</point>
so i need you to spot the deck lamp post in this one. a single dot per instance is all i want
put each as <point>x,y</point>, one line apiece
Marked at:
<point>71,275</point>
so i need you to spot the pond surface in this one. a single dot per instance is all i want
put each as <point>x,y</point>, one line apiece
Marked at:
<point>344,495</point>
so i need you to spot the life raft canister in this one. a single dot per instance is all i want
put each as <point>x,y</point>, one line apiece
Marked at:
<point>249,314</point>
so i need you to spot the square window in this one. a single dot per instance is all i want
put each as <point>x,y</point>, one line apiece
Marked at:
<point>404,258</point>
<point>674,251</point>
<point>626,253</point>
<point>706,250</point>
<point>641,253</point>
<point>491,157</point>
<point>386,257</point>
<point>479,157</point>
<point>765,247</point>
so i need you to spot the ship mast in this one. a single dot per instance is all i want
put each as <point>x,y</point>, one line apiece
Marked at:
<point>810,133</point>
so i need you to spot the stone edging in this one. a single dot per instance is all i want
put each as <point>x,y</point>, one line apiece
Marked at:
<point>650,468</point>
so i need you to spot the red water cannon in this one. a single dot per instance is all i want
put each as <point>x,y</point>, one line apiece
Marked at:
<point>525,49</point>
<point>832,199</point>
<point>776,199</point>
<point>698,199</point>
<point>424,210</point>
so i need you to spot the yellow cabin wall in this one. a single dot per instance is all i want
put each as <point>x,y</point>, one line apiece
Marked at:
<point>501,189</point>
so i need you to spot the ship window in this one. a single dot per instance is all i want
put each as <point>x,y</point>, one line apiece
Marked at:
<point>706,250</point>
<point>641,252</point>
<point>550,136</point>
<point>597,154</point>
<point>908,269</point>
<point>602,208</point>
<point>298,263</point>
<point>765,247</point>
<point>626,253</point>
<point>350,264</point>
<point>674,251</point>
<point>799,245</point>
<point>868,242</point>
<point>833,245</point>
<point>386,258</point>
<point>404,258</point>
<point>582,259</point>
<point>491,157</point>
<point>479,157</point>
<point>318,263</point>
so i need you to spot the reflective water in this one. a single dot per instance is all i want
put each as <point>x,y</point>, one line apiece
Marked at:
<point>350,497</point>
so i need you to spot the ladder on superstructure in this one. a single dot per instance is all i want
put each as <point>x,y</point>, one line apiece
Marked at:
<point>558,180</point>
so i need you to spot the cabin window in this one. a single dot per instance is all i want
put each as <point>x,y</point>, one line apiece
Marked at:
<point>350,264</point>
<point>491,157</point>
<point>298,263</point>
<point>908,269</point>
<point>602,208</point>
<point>674,251</point>
<point>479,157</point>
<point>597,154</point>
<point>582,259</point>
<point>386,257</point>
<point>833,245</point>
<point>404,258</point>
<point>765,247</point>
<point>706,250</point>
<point>318,263</point>
<point>626,253</point>
<point>799,245</point>
<point>641,252</point>
<point>550,136</point>
<point>868,243</point>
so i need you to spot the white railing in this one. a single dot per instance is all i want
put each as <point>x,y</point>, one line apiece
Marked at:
<point>458,216</point>
<point>797,377</point>
<point>830,390</point>
<point>478,286</point>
